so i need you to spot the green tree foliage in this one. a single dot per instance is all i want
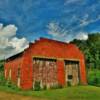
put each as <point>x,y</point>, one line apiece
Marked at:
<point>91,49</point>
<point>2,80</point>
<point>1,65</point>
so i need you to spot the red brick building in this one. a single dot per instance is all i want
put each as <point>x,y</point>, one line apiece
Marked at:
<point>48,61</point>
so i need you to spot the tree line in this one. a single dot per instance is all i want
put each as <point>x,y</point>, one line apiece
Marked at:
<point>91,50</point>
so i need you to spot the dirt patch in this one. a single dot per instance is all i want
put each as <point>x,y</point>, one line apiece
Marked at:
<point>10,96</point>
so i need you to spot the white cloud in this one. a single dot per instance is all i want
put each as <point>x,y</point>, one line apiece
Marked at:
<point>55,30</point>
<point>9,43</point>
<point>82,36</point>
<point>85,22</point>
<point>8,31</point>
<point>62,34</point>
<point>59,33</point>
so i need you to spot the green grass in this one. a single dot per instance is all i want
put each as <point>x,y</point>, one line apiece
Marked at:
<point>69,93</point>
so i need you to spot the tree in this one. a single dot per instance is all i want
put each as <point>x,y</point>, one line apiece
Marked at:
<point>91,49</point>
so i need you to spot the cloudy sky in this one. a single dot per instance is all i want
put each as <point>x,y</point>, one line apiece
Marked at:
<point>23,21</point>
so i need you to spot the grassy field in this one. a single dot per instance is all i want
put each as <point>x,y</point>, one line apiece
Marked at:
<point>69,93</point>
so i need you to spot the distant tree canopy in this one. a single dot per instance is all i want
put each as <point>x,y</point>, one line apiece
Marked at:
<point>1,65</point>
<point>91,49</point>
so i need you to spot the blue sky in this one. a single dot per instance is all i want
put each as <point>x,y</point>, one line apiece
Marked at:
<point>33,17</point>
<point>23,21</point>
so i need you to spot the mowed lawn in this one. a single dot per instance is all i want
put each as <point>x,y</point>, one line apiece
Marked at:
<point>69,93</point>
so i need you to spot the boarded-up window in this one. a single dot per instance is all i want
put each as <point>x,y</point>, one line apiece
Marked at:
<point>72,72</point>
<point>45,71</point>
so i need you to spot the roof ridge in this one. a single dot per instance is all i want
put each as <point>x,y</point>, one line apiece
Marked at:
<point>43,38</point>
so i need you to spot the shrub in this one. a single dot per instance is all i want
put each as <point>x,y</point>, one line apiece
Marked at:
<point>68,83</point>
<point>2,79</point>
<point>94,77</point>
<point>8,83</point>
<point>37,86</point>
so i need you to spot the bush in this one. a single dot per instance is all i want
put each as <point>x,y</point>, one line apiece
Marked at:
<point>37,86</point>
<point>68,83</point>
<point>94,77</point>
<point>2,79</point>
<point>6,83</point>
<point>1,67</point>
